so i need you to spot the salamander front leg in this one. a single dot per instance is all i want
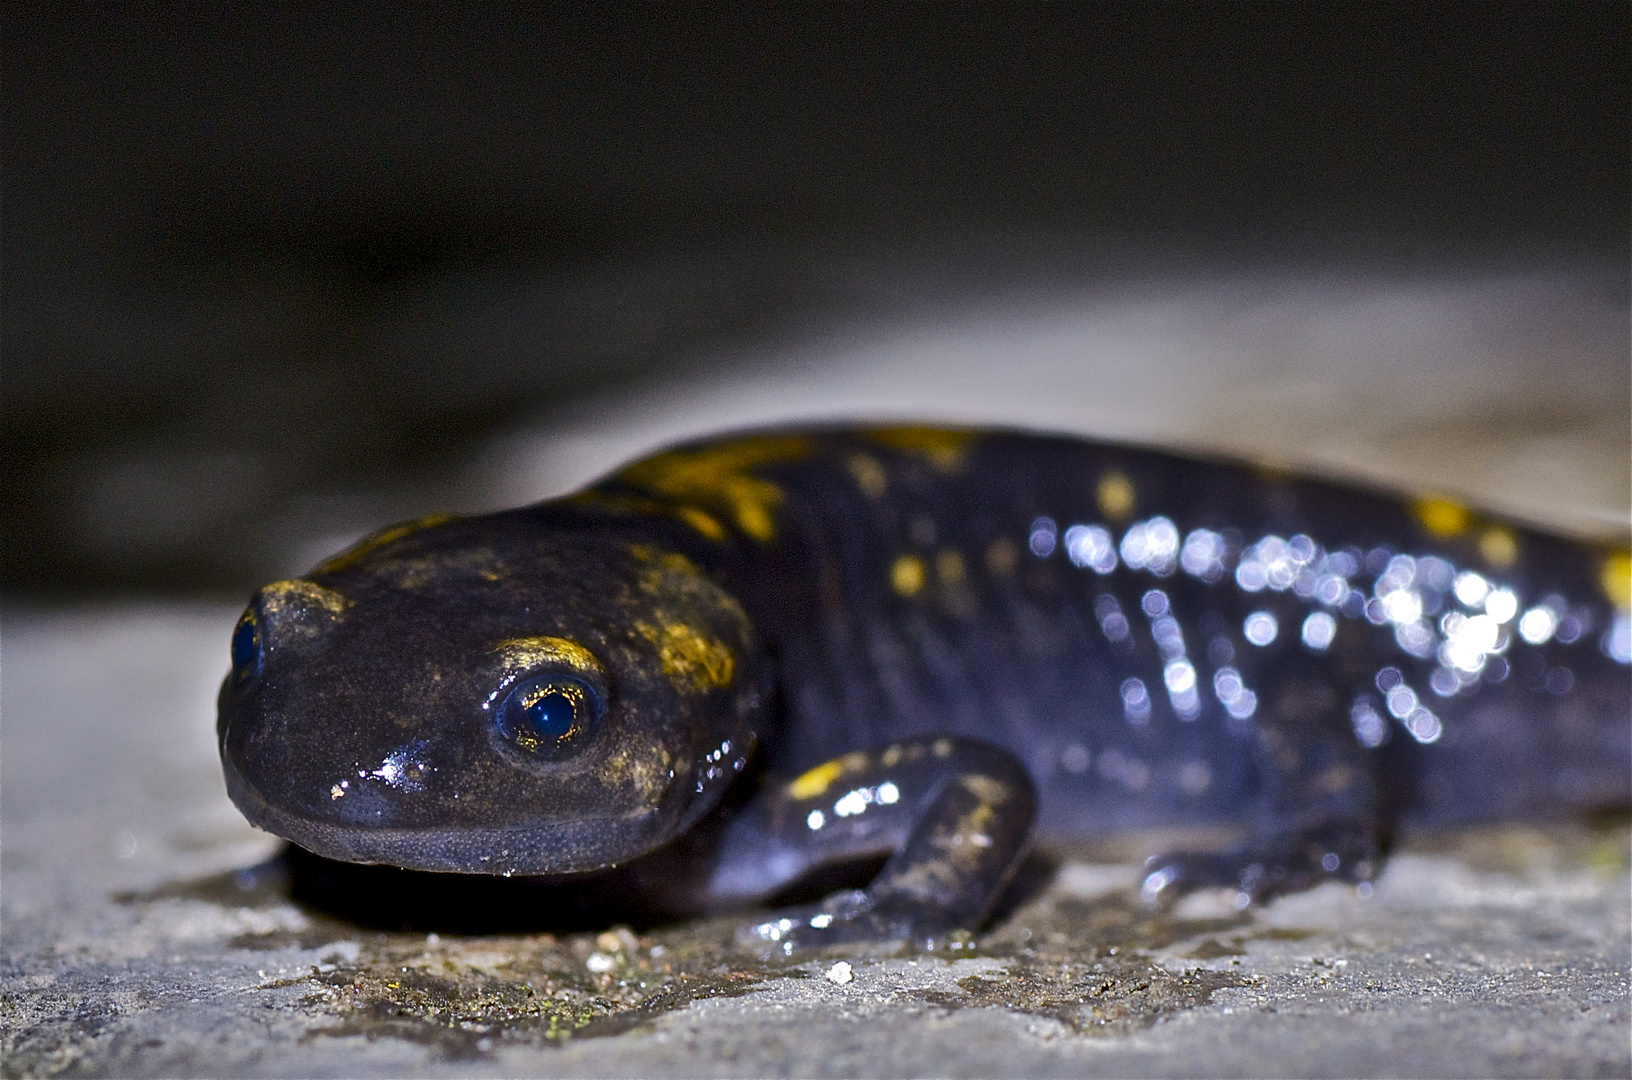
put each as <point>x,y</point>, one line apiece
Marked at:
<point>953,815</point>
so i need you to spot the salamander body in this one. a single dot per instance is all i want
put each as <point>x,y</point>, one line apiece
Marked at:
<point>745,660</point>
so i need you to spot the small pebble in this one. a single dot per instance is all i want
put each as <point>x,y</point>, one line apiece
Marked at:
<point>617,939</point>
<point>600,963</point>
<point>840,973</point>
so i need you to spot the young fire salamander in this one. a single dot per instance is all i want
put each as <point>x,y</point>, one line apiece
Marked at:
<point>743,661</point>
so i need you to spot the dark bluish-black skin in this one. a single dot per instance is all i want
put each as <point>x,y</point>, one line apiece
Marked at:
<point>813,647</point>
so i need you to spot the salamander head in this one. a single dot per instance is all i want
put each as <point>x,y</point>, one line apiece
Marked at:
<point>489,695</point>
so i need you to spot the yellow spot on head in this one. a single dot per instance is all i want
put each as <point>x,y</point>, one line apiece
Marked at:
<point>869,475</point>
<point>1498,546</point>
<point>907,575</point>
<point>525,652</point>
<point>717,477</point>
<point>949,567</point>
<point>676,596</point>
<point>283,597</point>
<point>815,782</point>
<point>694,662</point>
<point>943,448</point>
<point>671,575</point>
<point>1002,555</point>
<point>1616,578</point>
<point>354,554</point>
<point>665,570</point>
<point>1442,517</point>
<point>1116,496</point>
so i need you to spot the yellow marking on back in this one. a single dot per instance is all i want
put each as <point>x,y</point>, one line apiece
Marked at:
<point>1616,578</point>
<point>354,554</point>
<point>943,448</point>
<point>702,521</point>
<point>1002,555</point>
<point>1116,496</point>
<point>1499,546</point>
<point>693,661</point>
<point>1442,518</point>
<point>716,477</point>
<point>525,652</point>
<point>991,793</point>
<point>869,474</point>
<point>814,783</point>
<point>283,597</point>
<point>907,575</point>
<point>811,784</point>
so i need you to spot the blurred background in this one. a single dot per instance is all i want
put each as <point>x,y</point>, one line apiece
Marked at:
<point>276,274</point>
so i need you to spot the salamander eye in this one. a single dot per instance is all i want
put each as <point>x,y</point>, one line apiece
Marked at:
<point>246,648</point>
<point>549,716</point>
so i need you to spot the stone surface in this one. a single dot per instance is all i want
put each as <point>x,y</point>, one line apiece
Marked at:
<point>148,931</point>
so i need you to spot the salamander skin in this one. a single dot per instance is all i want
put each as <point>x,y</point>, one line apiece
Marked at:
<point>744,661</point>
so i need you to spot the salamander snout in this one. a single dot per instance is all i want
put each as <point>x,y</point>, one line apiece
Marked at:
<point>455,701</point>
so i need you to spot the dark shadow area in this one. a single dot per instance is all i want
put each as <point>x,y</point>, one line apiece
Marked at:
<point>275,274</point>
<point>388,898</point>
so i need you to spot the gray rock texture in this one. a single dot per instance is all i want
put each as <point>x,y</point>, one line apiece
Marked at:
<point>146,933</point>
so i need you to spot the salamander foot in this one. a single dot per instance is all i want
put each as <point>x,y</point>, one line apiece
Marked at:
<point>850,917</point>
<point>1283,863</point>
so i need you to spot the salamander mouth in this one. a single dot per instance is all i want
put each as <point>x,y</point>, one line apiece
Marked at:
<point>565,847</point>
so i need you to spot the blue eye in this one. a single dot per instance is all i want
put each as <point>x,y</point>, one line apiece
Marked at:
<point>246,647</point>
<point>549,716</point>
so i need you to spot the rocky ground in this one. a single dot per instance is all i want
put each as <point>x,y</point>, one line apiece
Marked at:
<point>149,931</point>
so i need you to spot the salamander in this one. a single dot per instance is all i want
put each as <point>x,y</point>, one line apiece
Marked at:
<point>744,661</point>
